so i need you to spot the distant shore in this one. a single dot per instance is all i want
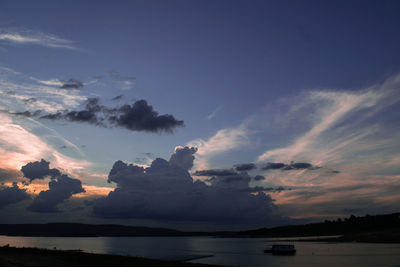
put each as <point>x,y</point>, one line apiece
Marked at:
<point>384,236</point>
<point>35,257</point>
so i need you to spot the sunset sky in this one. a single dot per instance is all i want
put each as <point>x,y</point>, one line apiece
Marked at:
<point>198,115</point>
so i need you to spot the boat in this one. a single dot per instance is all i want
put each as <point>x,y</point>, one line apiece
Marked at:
<point>281,250</point>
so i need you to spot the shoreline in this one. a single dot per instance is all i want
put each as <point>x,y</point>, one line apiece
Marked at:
<point>35,257</point>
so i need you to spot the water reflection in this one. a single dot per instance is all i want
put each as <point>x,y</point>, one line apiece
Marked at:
<point>226,251</point>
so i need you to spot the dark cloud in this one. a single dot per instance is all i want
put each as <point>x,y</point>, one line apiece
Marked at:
<point>11,195</point>
<point>29,100</point>
<point>39,170</point>
<point>53,116</point>
<point>297,166</point>
<point>118,97</point>
<point>183,157</point>
<point>265,189</point>
<point>245,167</point>
<point>72,84</point>
<point>137,117</point>
<point>166,191</point>
<point>291,166</point>
<point>26,113</point>
<point>61,188</point>
<point>141,117</point>
<point>273,166</point>
<point>214,172</point>
<point>259,178</point>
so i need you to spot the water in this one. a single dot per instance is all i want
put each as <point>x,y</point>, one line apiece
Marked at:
<point>227,251</point>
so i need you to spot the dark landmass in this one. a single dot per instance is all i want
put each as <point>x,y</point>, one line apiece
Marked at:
<point>94,230</point>
<point>35,257</point>
<point>83,230</point>
<point>372,228</point>
<point>352,228</point>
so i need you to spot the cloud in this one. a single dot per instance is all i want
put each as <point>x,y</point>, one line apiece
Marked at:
<point>62,84</point>
<point>35,37</point>
<point>61,186</point>
<point>71,84</point>
<point>19,146</point>
<point>8,174</point>
<point>11,195</point>
<point>353,133</point>
<point>137,117</point>
<point>245,167</point>
<point>183,157</point>
<point>30,100</point>
<point>118,97</point>
<point>39,170</point>
<point>274,166</point>
<point>166,192</point>
<point>18,92</point>
<point>291,166</point>
<point>141,117</point>
<point>223,141</point>
<point>330,109</point>
<point>212,114</point>
<point>51,82</point>
<point>259,178</point>
<point>214,172</point>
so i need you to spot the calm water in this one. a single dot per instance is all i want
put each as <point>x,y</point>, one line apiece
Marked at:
<point>226,251</point>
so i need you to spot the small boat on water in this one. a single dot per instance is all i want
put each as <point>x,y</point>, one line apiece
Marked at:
<point>281,250</point>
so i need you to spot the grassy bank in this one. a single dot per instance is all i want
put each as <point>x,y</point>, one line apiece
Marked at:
<point>35,257</point>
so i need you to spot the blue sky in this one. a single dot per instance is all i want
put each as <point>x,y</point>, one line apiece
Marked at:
<point>254,82</point>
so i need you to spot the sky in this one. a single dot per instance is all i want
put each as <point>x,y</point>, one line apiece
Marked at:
<point>198,115</point>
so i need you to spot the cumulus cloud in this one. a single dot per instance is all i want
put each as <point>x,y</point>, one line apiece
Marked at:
<point>166,191</point>
<point>137,117</point>
<point>39,170</point>
<point>223,141</point>
<point>183,157</point>
<point>60,189</point>
<point>61,186</point>
<point>11,195</point>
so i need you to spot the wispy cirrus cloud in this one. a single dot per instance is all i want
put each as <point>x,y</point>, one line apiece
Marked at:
<point>20,93</point>
<point>214,113</point>
<point>19,146</point>
<point>329,140</point>
<point>25,36</point>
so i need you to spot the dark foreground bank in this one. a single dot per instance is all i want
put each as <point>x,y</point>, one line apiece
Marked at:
<point>35,257</point>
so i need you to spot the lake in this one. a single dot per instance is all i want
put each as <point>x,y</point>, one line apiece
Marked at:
<point>226,251</point>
